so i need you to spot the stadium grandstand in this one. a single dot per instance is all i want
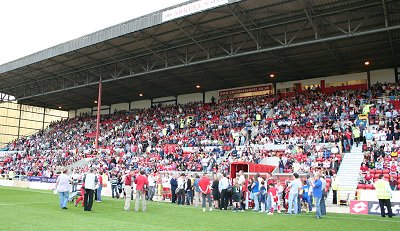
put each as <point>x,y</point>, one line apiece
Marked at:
<point>277,87</point>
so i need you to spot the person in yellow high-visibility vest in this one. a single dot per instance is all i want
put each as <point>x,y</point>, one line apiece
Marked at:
<point>335,187</point>
<point>356,134</point>
<point>384,193</point>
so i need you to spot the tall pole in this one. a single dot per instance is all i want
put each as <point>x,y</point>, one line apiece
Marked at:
<point>98,116</point>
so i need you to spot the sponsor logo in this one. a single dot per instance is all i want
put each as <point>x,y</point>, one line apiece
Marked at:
<point>374,208</point>
<point>359,207</point>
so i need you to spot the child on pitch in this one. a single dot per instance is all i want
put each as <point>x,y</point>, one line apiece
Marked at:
<point>262,195</point>
<point>236,196</point>
<point>280,189</point>
<point>306,201</point>
<point>273,195</point>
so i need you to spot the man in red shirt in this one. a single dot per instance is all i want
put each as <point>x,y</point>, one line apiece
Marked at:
<point>205,189</point>
<point>142,184</point>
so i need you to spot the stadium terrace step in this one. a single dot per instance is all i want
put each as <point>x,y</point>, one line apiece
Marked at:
<point>347,175</point>
<point>79,163</point>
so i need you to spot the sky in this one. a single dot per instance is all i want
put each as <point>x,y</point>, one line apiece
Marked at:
<point>28,26</point>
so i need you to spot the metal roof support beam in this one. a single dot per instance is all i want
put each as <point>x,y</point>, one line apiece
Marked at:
<point>195,27</point>
<point>338,10</point>
<point>362,22</point>
<point>221,57</point>
<point>318,23</point>
<point>335,10</point>
<point>297,33</point>
<point>119,49</point>
<point>387,19</point>
<point>244,27</point>
<point>306,6</point>
<point>191,37</point>
<point>160,43</point>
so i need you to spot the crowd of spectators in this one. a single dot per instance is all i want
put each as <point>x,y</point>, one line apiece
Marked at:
<point>157,139</point>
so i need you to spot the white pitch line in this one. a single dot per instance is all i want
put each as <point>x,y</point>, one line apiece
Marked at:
<point>390,220</point>
<point>12,204</point>
<point>28,190</point>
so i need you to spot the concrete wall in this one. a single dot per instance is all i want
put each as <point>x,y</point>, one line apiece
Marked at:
<point>188,98</point>
<point>384,75</point>
<point>169,100</point>
<point>210,94</point>
<point>120,107</point>
<point>141,104</point>
<point>71,114</point>
<point>83,110</point>
<point>344,78</point>
<point>331,79</point>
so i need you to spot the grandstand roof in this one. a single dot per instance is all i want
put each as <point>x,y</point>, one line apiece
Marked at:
<point>212,43</point>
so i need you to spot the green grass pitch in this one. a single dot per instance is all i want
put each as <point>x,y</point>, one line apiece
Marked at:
<point>26,209</point>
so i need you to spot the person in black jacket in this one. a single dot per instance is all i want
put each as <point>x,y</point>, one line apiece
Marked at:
<point>215,192</point>
<point>174,186</point>
<point>189,191</point>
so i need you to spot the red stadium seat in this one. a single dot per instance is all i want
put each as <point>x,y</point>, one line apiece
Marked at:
<point>361,186</point>
<point>386,176</point>
<point>369,186</point>
<point>372,171</point>
<point>385,171</point>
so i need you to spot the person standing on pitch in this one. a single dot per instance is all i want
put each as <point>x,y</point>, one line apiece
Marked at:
<point>317,192</point>
<point>142,185</point>
<point>128,190</point>
<point>205,189</point>
<point>384,193</point>
<point>100,186</point>
<point>63,187</point>
<point>295,187</point>
<point>90,185</point>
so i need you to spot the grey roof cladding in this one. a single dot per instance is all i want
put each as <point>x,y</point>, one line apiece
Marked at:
<point>118,30</point>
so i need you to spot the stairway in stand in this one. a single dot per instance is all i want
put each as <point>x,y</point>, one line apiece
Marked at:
<point>348,173</point>
<point>79,164</point>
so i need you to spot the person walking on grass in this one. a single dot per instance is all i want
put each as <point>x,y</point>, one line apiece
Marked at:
<point>90,185</point>
<point>142,185</point>
<point>81,197</point>
<point>63,186</point>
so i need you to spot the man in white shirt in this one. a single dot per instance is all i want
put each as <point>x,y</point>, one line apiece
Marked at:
<point>75,179</point>
<point>90,185</point>
<point>63,186</point>
<point>295,187</point>
<point>335,149</point>
<point>152,184</point>
<point>222,187</point>
<point>181,189</point>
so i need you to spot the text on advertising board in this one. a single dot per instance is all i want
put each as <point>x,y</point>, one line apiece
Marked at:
<point>371,207</point>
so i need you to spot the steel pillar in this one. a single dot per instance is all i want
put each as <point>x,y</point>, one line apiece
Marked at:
<point>98,116</point>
